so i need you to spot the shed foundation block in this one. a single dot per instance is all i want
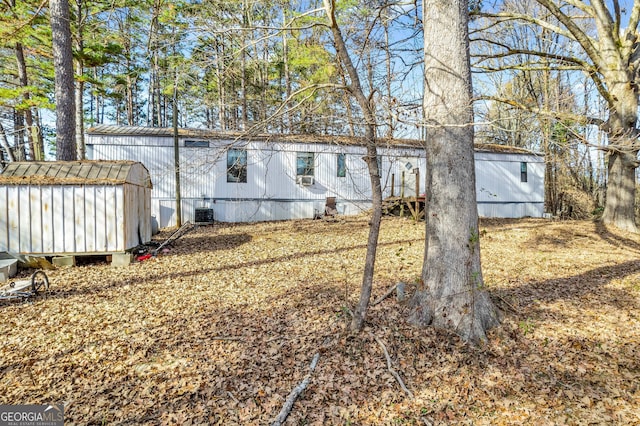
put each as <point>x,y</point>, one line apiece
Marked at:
<point>64,261</point>
<point>121,259</point>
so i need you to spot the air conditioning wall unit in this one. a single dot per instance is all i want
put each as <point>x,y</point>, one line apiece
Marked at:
<point>203,216</point>
<point>305,180</point>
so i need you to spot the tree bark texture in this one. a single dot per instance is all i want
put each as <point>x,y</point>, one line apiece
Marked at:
<point>619,208</point>
<point>80,148</point>
<point>24,83</point>
<point>355,88</point>
<point>64,87</point>
<point>451,295</point>
<point>4,143</point>
<point>80,16</point>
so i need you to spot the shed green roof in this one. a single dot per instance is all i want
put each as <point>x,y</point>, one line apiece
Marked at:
<point>75,173</point>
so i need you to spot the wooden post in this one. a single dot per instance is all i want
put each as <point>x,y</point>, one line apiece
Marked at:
<point>402,195</point>
<point>393,183</point>
<point>417,193</point>
<point>176,156</point>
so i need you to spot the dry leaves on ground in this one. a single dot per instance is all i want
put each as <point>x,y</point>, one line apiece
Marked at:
<point>219,330</point>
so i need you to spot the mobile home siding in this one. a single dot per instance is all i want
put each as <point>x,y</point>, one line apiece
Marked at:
<point>499,189</point>
<point>271,191</point>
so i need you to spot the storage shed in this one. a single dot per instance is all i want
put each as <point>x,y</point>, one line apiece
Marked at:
<point>74,208</point>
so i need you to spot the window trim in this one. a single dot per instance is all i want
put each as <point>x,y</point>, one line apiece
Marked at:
<point>237,172</point>
<point>311,167</point>
<point>341,165</point>
<point>196,143</point>
<point>524,172</point>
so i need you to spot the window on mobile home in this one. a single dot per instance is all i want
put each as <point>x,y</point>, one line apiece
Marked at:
<point>523,172</point>
<point>237,165</point>
<point>304,164</point>
<point>196,144</point>
<point>342,165</point>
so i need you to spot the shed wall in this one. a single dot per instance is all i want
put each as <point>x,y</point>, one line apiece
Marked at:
<point>73,219</point>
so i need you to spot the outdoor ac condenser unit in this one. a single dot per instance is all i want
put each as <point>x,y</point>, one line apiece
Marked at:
<point>203,216</point>
<point>304,180</point>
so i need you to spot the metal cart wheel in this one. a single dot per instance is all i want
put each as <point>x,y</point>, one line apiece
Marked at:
<point>39,282</point>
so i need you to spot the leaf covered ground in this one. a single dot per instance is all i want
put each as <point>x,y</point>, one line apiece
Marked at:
<point>222,326</point>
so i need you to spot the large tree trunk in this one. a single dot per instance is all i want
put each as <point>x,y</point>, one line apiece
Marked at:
<point>64,87</point>
<point>451,295</point>
<point>619,208</point>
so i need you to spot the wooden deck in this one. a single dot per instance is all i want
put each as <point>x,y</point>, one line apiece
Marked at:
<point>404,207</point>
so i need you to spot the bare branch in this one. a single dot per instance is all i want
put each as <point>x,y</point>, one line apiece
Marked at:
<point>390,368</point>
<point>580,5</point>
<point>587,43</point>
<point>582,119</point>
<point>630,38</point>
<point>549,55</point>
<point>616,22</point>
<point>503,17</point>
<point>295,393</point>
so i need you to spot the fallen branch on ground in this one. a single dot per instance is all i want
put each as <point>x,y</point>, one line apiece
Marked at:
<point>391,370</point>
<point>384,296</point>
<point>291,399</point>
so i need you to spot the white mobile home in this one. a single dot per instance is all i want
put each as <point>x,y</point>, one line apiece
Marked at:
<point>77,207</point>
<point>509,182</point>
<point>273,177</point>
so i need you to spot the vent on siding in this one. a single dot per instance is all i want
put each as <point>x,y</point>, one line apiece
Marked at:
<point>203,216</point>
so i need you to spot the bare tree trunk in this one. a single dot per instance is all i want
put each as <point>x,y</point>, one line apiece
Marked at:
<point>390,121</point>
<point>347,103</point>
<point>451,294</point>
<point>221,92</point>
<point>79,93</point>
<point>549,158</point>
<point>18,135</point>
<point>4,142</point>
<point>38,137</point>
<point>64,87</point>
<point>131,119</point>
<point>619,208</point>
<point>155,101</point>
<point>24,82</point>
<point>80,111</point>
<point>287,120</point>
<point>371,159</point>
<point>264,66</point>
<point>243,68</point>
<point>621,190</point>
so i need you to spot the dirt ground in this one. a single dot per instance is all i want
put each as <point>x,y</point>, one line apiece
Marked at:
<point>223,325</point>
